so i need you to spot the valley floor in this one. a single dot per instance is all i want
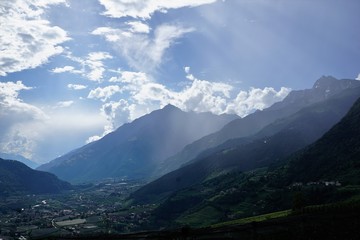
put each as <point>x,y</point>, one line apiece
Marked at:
<point>317,222</point>
<point>102,211</point>
<point>94,208</point>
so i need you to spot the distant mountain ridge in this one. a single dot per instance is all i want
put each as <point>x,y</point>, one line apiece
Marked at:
<point>324,88</point>
<point>19,158</point>
<point>135,149</point>
<point>16,177</point>
<point>273,143</point>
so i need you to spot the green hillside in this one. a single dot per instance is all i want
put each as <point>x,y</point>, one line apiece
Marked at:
<point>16,177</point>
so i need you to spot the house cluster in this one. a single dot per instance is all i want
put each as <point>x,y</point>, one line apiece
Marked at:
<point>97,208</point>
<point>318,183</point>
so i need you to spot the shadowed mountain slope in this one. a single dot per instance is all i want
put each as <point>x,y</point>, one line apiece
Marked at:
<point>305,178</point>
<point>324,88</point>
<point>336,156</point>
<point>16,177</point>
<point>275,142</point>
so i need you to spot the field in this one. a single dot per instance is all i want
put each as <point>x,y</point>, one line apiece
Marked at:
<point>70,222</point>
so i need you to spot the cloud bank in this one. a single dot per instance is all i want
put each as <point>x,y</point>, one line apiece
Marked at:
<point>24,127</point>
<point>17,118</point>
<point>27,39</point>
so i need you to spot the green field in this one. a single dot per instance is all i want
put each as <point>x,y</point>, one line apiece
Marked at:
<point>258,218</point>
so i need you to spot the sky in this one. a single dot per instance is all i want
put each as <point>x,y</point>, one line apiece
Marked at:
<point>72,71</point>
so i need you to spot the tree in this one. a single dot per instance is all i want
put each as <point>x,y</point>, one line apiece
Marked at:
<point>298,201</point>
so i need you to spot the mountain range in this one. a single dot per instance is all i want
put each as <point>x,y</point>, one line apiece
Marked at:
<point>324,88</point>
<point>169,138</point>
<point>253,179</point>
<point>273,143</point>
<point>135,149</point>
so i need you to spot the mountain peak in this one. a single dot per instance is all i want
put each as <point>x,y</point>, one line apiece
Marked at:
<point>170,107</point>
<point>136,149</point>
<point>325,82</point>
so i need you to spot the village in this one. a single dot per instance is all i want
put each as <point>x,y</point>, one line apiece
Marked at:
<point>91,209</point>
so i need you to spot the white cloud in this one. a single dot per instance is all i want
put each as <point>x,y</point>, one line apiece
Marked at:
<point>215,97</point>
<point>70,69</point>
<point>27,39</point>
<point>138,27</point>
<point>9,91</point>
<point>205,96</point>
<point>104,93</point>
<point>132,81</point>
<point>98,56</point>
<point>24,127</point>
<point>358,77</point>
<point>111,34</point>
<point>92,66</point>
<point>64,104</point>
<point>255,99</point>
<point>95,63</point>
<point>198,95</point>
<point>165,35</point>
<point>132,77</point>
<point>188,74</point>
<point>116,114</point>
<point>10,102</point>
<point>94,138</point>
<point>153,92</point>
<point>141,51</point>
<point>17,118</point>
<point>76,86</point>
<point>145,8</point>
